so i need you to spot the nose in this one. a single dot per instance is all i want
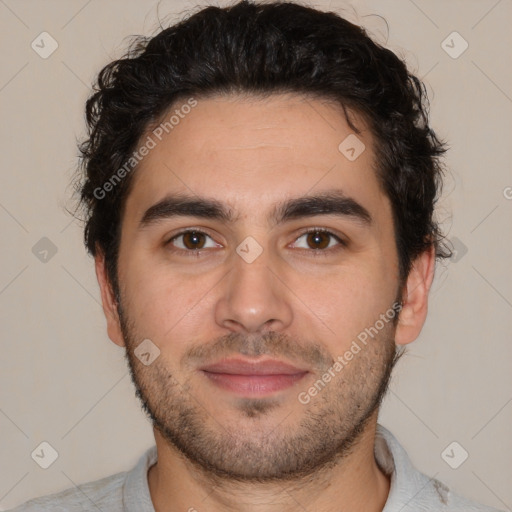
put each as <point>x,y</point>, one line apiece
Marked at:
<point>253,297</point>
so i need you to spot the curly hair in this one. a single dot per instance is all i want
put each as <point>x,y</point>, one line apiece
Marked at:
<point>261,49</point>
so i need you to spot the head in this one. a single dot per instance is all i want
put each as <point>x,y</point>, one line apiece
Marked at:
<point>260,181</point>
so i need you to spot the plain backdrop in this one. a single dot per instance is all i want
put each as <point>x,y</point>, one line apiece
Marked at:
<point>61,379</point>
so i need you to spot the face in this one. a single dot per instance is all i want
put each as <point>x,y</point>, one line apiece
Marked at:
<point>254,256</point>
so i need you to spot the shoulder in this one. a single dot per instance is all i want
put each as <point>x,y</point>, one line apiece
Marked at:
<point>411,490</point>
<point>104,494</point>
<point>109,494</point>
<point>440,497</point>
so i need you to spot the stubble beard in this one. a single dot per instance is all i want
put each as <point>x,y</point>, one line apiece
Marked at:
<point>248,450</point>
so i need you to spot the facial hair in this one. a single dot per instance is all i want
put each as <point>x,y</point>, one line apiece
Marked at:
<point>248,451</point>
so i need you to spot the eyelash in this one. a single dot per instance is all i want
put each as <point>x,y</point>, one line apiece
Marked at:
<point>314,252</point>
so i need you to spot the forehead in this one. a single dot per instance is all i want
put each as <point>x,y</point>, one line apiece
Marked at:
<point>251,152</point>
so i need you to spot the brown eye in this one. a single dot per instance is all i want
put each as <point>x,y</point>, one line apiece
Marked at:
<point>319,242</point>
<point>193,240</point>
<point>318,239</point>
<point>190,241</point>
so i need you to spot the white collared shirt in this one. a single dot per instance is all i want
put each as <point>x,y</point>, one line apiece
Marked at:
<point>410,490</point>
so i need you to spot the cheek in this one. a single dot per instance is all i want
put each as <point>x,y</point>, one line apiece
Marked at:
<point>346,302</point>
<point>164,305</point>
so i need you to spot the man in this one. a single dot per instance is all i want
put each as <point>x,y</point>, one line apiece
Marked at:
<point>259,187</point>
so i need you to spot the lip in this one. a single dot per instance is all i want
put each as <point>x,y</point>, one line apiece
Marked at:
<point>250,378</point>
<point>236,366</point>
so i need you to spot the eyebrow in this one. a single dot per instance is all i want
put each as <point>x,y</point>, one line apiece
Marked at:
<point>333,202</point>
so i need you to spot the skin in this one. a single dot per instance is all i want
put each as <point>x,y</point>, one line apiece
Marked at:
<point>218,451</point>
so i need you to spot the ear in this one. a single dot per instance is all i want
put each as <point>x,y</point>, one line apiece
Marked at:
<point>415,297</point>
<point>108,300</point>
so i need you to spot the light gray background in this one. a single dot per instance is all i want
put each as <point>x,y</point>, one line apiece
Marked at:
<point>63,381</point>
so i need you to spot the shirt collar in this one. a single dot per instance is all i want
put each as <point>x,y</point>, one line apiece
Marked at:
<point>408,486</point>
<point>406,482</point>
<point>136,496</point>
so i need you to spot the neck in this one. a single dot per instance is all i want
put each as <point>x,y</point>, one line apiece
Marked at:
<point>353,483</point>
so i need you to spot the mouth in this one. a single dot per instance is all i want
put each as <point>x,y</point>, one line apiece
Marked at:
<point>249,378</point>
